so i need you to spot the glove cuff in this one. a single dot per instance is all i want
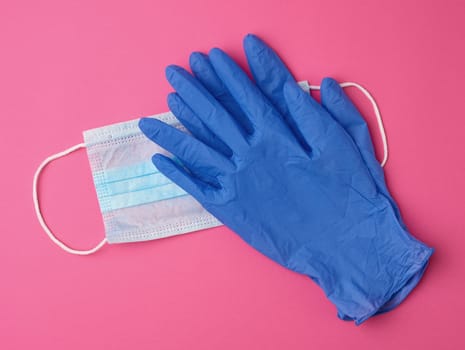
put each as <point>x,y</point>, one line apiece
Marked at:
<point>404,285</point>
<point>393,268</point>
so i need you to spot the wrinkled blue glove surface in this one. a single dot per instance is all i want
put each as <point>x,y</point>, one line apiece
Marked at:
<point>295,179</point>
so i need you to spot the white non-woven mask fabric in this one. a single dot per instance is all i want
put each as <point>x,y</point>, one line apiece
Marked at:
<point>137,202</point>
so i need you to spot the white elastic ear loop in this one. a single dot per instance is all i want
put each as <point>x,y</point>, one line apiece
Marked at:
<point>35,198</point>
<point>375,109</point>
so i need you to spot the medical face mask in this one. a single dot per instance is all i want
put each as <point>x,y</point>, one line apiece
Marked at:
<point>137,202</point>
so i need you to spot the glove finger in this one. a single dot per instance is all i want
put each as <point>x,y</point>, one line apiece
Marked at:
<point>269,72</point>
<point>249,97</point>
<point>309,117</point>
<point>270,75</point>
<point>181,177</point>
<point>334,99</point>
<point>193,123</point>
<point>204,72</point>
<point>206,107</point>
<point>200,159</point>
<point>339,105</point>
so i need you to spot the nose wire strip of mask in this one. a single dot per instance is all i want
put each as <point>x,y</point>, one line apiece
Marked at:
<point>39,213</point>
<point>74,148</point>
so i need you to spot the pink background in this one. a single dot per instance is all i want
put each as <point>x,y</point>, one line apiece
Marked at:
<point>67,66</point>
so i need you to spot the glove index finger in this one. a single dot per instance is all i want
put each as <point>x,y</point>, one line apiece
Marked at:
<point>269,71</point>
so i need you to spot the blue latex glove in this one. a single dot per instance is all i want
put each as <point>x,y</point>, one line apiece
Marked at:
<point>309,202</point>
<point>270,74</point>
